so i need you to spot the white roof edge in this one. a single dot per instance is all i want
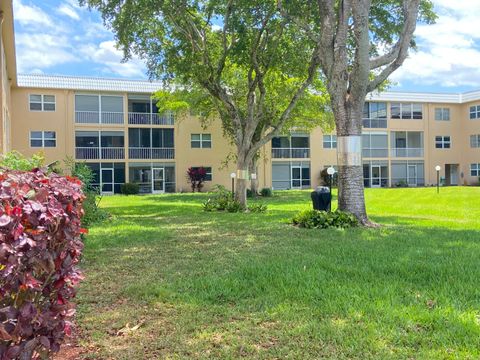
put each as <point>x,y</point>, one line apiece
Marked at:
<point>84,83</point>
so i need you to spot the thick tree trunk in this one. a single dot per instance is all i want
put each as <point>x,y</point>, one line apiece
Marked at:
<point>242,179</point>
<point>252,169</point>
<point>350,168</point>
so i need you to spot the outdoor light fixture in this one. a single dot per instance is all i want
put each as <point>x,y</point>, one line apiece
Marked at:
<point>233,175</point>
<point>331,172</point>
<point>438,168</point>
<point>254,176</point>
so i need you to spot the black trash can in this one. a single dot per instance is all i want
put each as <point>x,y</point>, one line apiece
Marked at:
<point>322,198</point>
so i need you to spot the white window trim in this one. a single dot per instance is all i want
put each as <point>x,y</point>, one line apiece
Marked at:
<point>475,141</point>
<point>443,112</point>
<point>477,170</point>
<point>201,141</point>
<point>42,139</point>
<point>42,102</point>
<point>331,141</point>
<point>443,141</point>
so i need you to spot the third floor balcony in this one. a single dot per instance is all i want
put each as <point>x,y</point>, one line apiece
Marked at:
<point>142,110</point>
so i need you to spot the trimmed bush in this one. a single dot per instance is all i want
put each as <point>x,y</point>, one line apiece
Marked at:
<point>234,206</point>
<point>257,208</point>
<point>40,247</point>
<point>266,192</point>
<point>315,219</point>
<point>130,189</point>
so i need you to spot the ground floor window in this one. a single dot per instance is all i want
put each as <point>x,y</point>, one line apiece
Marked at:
<point>108,177</point>
<point>408,173</point>
<point>153,177</point>
<point>375,174</point>
<point>291,175</point>
<point>475,170</point>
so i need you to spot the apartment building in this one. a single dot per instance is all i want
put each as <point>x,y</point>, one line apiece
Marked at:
<point>113,126</point>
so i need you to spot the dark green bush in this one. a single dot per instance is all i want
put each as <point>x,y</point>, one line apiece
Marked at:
<point>249,193</point>
<point>266,192</point>
<point>234,206</point>
<point>257,208</point>
<point>314,219</point>
<point>130,189</point>
<point>210,205</point>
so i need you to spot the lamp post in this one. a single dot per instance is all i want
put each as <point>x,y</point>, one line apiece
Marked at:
<point>438,168</point>
<point>233,175</point>
<point>331,172</point>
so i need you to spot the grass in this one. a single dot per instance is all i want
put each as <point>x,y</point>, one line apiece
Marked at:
<point>221,285</point>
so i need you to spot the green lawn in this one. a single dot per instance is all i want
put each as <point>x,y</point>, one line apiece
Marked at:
<point>221,285</point>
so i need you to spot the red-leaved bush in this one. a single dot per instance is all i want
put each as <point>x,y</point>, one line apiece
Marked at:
<point>196,177</point>
<point>40,247</point>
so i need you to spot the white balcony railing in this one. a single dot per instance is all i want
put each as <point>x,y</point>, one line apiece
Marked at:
<point>375,123</point>
<point>136,118</point>
<point>407,152</point>
<point>290,153</point>
<point>95,117</point>
<point>110,153</point>
<point>375,152</point>
<point>151,153</point>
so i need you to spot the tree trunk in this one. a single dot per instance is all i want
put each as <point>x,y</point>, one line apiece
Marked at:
<point>241,179</point>
<point>350,167</point>
<point>254,182</point>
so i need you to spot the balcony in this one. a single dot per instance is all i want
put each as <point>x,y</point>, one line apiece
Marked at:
<point>139,118</point>
<point>375,152</point>
<point>290,153</point>
<point>151,153</point>
<point>407,152</point>
<point>375,123</point>
<point>95,117</point>
<point>94,153</point>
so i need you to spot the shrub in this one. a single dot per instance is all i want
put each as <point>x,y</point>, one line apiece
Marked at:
<point>92,212</point>
<point>315,219</point>
<point>196,177</point>
<point>209,205</point>
<point>257,208</point>
<point>40,247</point>
<point>234,206</point>
<point>266,192</point>
<point>130,189</point>
<point>13,160</point>
<point>249,193</point>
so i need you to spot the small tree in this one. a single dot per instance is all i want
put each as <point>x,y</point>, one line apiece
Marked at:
<point>196,177</point>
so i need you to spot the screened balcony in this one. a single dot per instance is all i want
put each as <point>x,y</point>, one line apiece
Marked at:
<point>375,115</point>
<point>375,145</point>
<point>142,110</point>
<point>99,109</point>
<point>291,147</point>
<point>407,144</point>
<point>93,145</point>
<point>151,143</point>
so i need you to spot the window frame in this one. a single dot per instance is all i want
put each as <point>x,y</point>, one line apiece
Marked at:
<point>412,111</point>
<point>475,170</point>
<point>475,112</point>
<point>42,103</point>
<point>475,141</point>
<point>43,139</point>
<point>202,143</point>
<point>332,139</point>
<point>441,142</point>
<point>443,111</point>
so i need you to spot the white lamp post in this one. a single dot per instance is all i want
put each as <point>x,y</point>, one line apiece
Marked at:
<point>233,175</point>
<point>438,168</point>
<point>331,172</point>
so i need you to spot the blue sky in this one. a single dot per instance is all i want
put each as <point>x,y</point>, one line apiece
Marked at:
<point>59,37</point>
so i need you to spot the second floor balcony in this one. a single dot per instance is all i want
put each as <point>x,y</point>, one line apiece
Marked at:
<point>151,153</point>
<point>96,117</point>
<point>95,153</point>
<point>290,153</point>
<point>145,118</point>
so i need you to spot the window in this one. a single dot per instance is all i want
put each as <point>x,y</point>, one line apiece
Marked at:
<point>442,114</point>
<point>475,141</point>
<point>42,102</point>
<point>43,139</point>
<point>442,142</point>
<point>475,170</point>
<point>375,115</point>
<point>201,141</point>
<point>329,141</point>
<point>406,111</point>
<point>475,112</point>
<point>208,171</point>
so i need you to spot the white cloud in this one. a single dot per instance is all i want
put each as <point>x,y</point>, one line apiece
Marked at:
<point>68,11</point>
<point>31,15</point>
<point>448,51</point>
<point>110,59</point>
